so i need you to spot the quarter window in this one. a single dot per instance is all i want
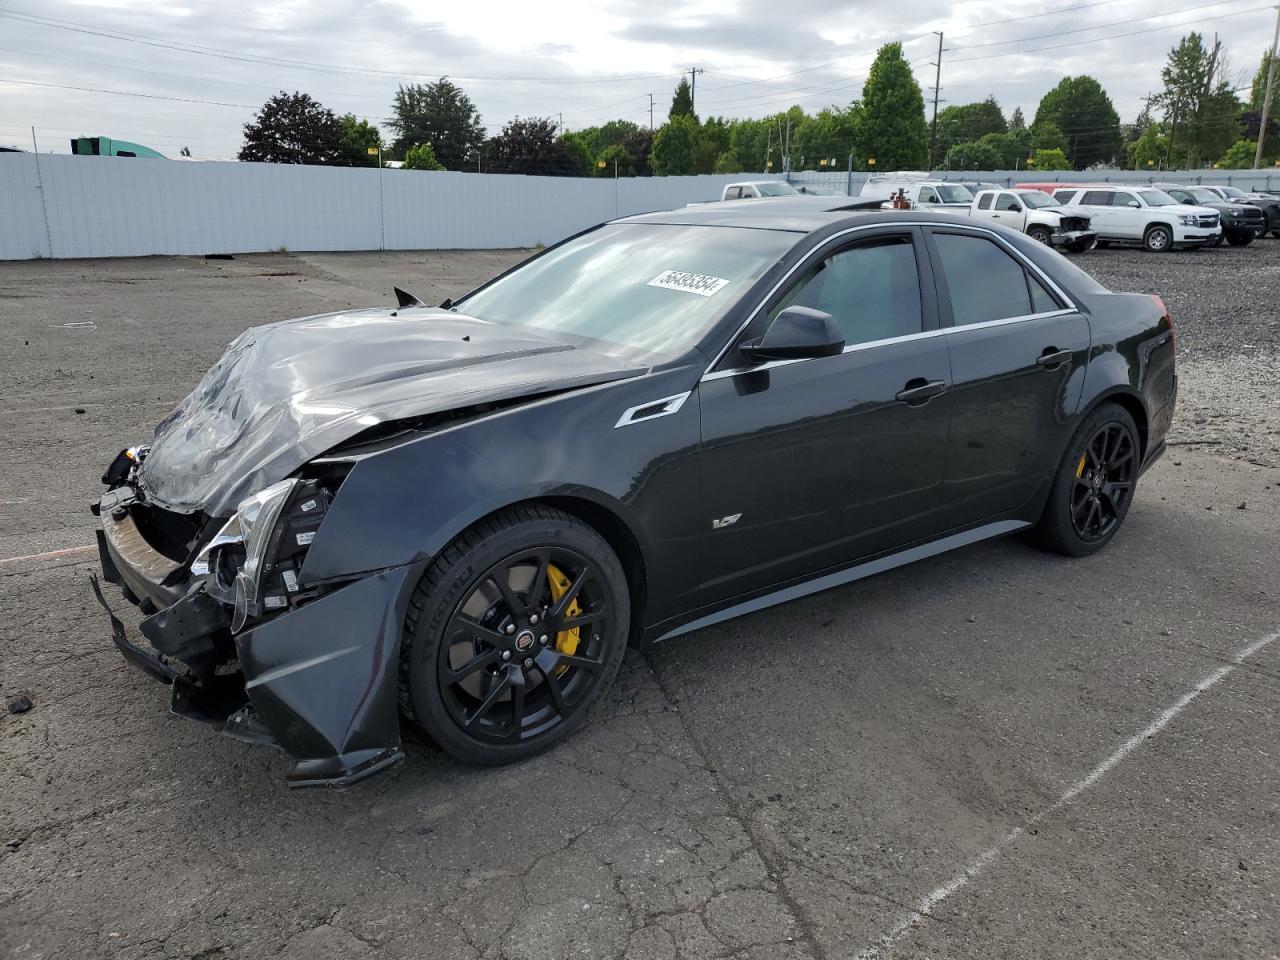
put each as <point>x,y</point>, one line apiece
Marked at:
<point>872,290</point>
<point>986,283</point>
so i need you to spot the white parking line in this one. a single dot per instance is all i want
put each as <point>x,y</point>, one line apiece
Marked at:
<point>67,552</point>
<point>884,946</point>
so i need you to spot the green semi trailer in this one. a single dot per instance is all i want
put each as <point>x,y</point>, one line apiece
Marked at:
<point>106,147</point>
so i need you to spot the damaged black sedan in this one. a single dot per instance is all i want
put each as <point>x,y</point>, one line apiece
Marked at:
<point>461,515</point>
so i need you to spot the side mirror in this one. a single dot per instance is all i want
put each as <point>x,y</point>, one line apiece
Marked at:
<point>797,333</point>
<point>1014,207</point>
<point>1133,203</point>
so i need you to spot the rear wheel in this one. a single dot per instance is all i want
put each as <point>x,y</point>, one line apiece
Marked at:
<point>1094,485</point>
<point>1040,234</point>
<point>1240,238</point>
<point>1157,239</point>
<point>513,634</point>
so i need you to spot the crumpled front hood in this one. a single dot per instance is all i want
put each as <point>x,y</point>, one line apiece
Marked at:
<point>1066,210</point>
<point>286,392</point>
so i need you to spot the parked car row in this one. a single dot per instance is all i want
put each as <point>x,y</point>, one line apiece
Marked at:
<point>1078,217</point>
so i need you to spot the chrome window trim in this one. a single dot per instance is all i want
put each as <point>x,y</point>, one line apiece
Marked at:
<point>669,405</point>
<point>922,335</point>
<point>814,254</point>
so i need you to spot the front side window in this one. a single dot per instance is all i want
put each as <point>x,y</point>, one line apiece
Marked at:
<point>641,290</point>
<point>928,195</point>
<point>1007,202</point>
<point>1122,199</point>
<point>986,283</point>
<point>871,290</point>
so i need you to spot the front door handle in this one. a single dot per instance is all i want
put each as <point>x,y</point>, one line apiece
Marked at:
<point>920,390</point>
<point>1051,358</point>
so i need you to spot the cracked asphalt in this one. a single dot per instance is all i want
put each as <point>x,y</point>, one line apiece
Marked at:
<point>994,753</point>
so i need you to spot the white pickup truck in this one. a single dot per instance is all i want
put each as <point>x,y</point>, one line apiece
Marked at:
<point>922,194</point>
<point>1037,215</point>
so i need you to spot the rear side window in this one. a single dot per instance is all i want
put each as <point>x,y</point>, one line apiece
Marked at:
<point>1064,196</point>
<point>986,283</point>
<point>871,290</point>
<point>984,201</point>
<point>733,193</point>
<point>1097,198</point>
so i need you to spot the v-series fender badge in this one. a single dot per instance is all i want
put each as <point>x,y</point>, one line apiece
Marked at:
<point>728,521</point>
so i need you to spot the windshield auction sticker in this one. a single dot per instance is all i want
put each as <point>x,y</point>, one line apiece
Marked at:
<point>698,283</point>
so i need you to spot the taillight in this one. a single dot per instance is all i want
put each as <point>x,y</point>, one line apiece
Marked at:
<point>1164,312</point>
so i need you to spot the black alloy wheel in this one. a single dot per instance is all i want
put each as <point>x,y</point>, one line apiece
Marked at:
<point>1094,485</point>
<point>513,634</point>
<point>1104,480</point>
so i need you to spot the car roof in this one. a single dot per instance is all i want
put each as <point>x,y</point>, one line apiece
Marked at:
<point>797,214</point>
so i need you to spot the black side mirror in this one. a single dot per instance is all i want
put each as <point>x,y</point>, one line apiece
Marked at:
<point>1014,207</point>
<point>796,333</point>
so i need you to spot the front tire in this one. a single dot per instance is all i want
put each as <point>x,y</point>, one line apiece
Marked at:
<point>1157,239</point>
<point>1240,238</point>
<point>1094,485</point>
<point>513,634</point>
<point>1041,235</point>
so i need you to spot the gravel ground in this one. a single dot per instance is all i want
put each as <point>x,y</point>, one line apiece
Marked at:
<point>995,753</point>
<point>1225,304</point>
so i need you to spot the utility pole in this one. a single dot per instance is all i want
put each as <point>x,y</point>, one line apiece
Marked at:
<point>693,87</point>
<point>651,111</point>
<point>1266,97</point>
<point>937,87</point>
<point>560,125</point>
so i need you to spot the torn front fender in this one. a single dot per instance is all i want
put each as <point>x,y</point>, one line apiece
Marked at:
<point>323,679</point>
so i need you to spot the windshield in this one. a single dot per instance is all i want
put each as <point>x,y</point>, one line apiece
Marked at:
<point>629,288</point>
<point>1157,198</point>
<point>954,193</point>
<point>776,188</point>
<point>1235,193</point>
<point>1199,195</point>
<point>1037,198</point>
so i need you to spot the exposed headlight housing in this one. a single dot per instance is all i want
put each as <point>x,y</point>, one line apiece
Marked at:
<point>233,561</point>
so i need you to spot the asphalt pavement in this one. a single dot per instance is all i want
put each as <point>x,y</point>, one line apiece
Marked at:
<point>993,753</point>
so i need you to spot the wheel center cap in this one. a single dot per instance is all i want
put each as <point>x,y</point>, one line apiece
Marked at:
<point>525,640</point>
<point>1097,481</point>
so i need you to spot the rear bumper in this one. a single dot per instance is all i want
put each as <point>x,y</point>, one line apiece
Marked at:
<point>318,682</point>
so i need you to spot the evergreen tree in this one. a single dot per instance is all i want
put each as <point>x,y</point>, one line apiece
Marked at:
<point>1081,109</point>
<point>682,102</point>
<point>896,134</point>
<point>440,114</point>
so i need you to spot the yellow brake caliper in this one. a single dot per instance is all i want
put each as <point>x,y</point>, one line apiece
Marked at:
<point>566,640</point>
<point>1079,468</point>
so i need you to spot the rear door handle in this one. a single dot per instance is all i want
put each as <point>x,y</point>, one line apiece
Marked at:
<point>1051,359</point>
<point>920,390</point>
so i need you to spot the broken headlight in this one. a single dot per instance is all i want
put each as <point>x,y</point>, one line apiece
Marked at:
<point>253,562</point>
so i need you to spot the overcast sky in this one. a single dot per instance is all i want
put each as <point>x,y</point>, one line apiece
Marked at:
<point>586,61</point>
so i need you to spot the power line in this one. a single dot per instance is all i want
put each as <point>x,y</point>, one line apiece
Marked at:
<point>127,93</point>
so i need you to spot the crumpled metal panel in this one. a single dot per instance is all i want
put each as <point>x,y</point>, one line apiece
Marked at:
<point>286,392</point>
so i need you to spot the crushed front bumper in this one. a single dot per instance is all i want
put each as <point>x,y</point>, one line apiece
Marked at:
<point>318,681</point>
<point>1065,238</point>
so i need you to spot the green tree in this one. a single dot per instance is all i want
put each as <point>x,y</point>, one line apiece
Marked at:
<point>1150,150</point>
<point>616,162</point>
<point>968,122</point>
<point>615,132</point>
<point>1012,147</point>
<point>529,145</point>
<point>727,162</point>
<point>1258,89</point>
<point>582,143</point>
<point>357,136</point>
<point>440,114</point>
<point>1240,155</point>
<point>293,128</point>
<point>713,140</point>
<point>675,147</point>
<point>1016,122</point>
<point>1050,160</point>
<point>1087,118</point>
<point>974,155</point>
<point>893,113</point>
<point>831,134</point>
<point>1047,135</point>
<point>1202,110</point>
<point>682,102</point>
<point>421,157</point>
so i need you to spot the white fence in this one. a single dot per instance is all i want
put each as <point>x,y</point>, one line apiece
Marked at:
<point>67,206</point>
<point>839,181</point>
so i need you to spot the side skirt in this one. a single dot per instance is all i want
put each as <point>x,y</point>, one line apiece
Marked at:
<point>849,574</point>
